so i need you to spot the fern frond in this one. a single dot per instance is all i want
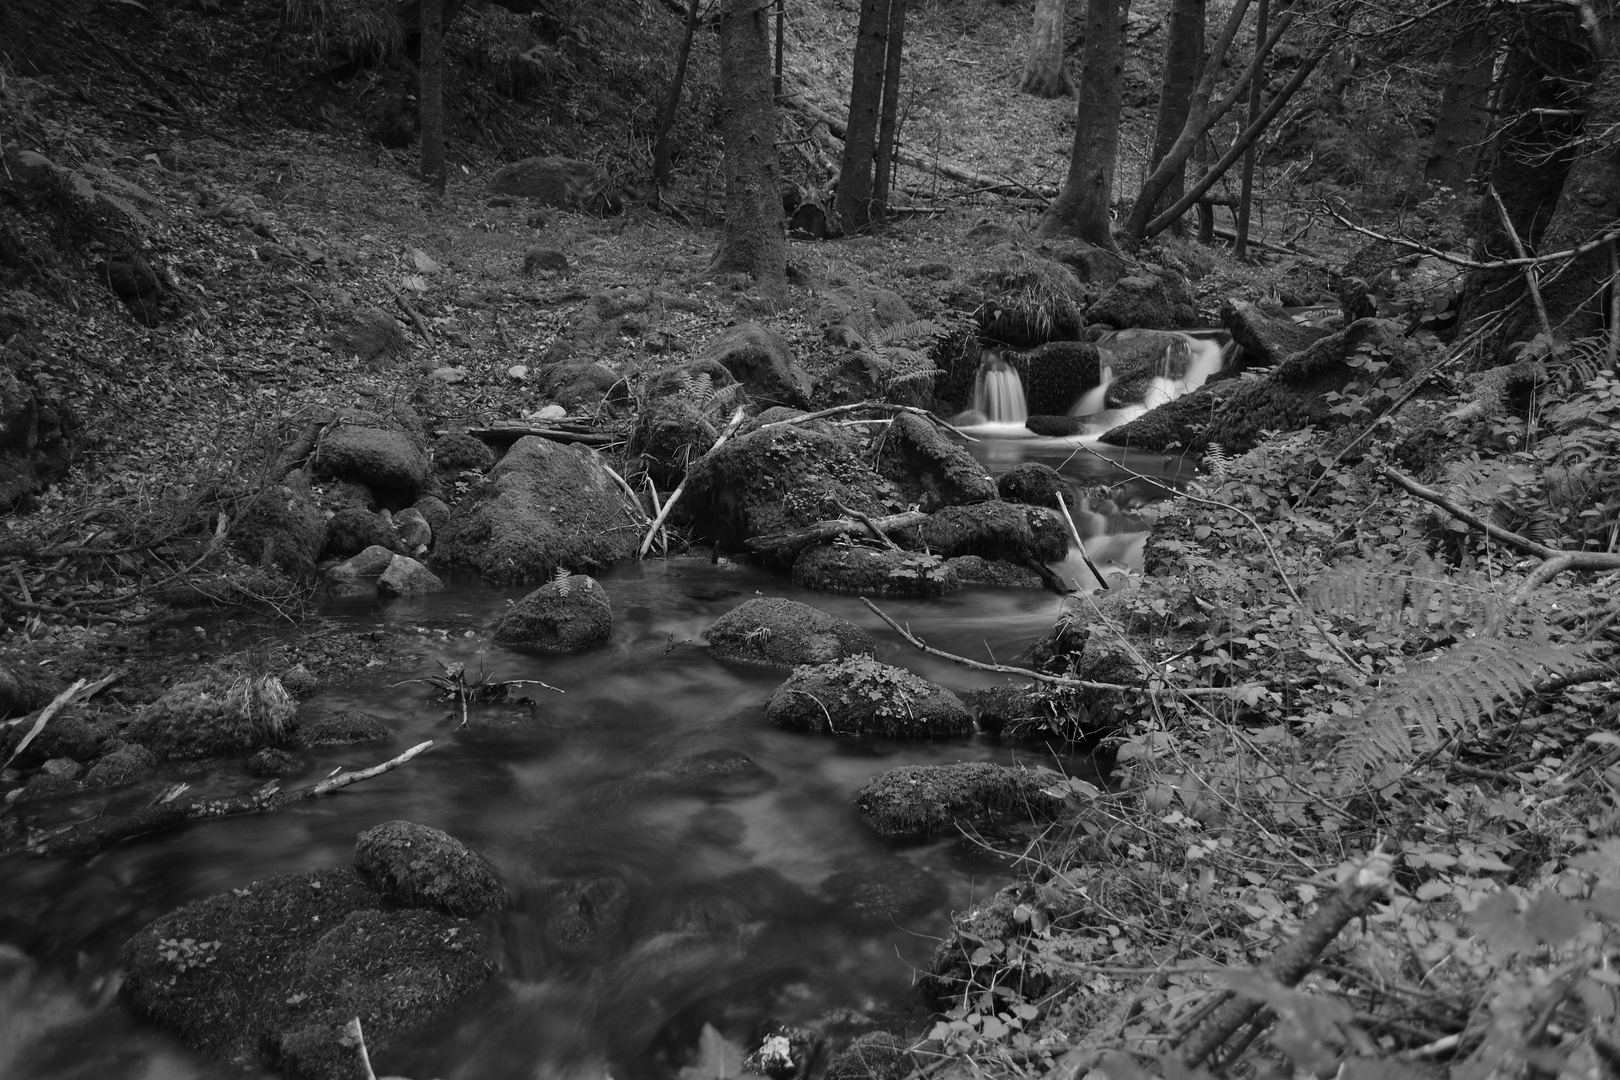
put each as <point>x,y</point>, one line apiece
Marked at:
<point>906,333</point>
<point>1218,459</point>
<point>560,578</point>
<point>1413,595</point>
<point>1413,712</point>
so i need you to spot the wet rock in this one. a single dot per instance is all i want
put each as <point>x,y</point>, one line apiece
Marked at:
<point>377,457</point>
<point>721,771</point>
<point>860,696</point>
<point>457,452</point>
<point>839,568</point>
<point>1034,484</point>
<point>370,333</point>
<point>566,183</point>
<point>301,954</point>
<point>1009,709</point>
<point>283,527</point>
<point>762,360</point>
<point>669,434</point>
<point>407,577</point>
<point>924,800</point>
<point>1267,337</point>
<point>786,633</point>
<point>347,728</point>
<point>273,762</point>
<point>567,615</point>
<point>299,681</point>
<point>1159,301</point>
<point>1054,375</point>
<point>993,530</point>
<point>972,570</point>
<point>434,512</point>
<point>425,867</point>
<point>576,384</point>
<point>930,469</point>
<point>589,917</point>
<point>1056,426</point>
<point>413,531</point>
<point>882,891</point>
<point>780,479</point>
<point>1177,425</point>
<point>351,531</point>
<point>215,718</point>
<point>369,563</point>
<point>125,764</point>
<point>544,506</point>
<point>44,786</point>
<point>876,1055</point>
<point>546,261</point>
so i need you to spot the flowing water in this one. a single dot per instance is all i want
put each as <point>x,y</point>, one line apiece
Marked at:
<point>998,393</point>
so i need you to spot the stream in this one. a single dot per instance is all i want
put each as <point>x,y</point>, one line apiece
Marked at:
<point>564,797</point>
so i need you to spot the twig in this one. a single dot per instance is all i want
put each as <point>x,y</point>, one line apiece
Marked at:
<point>1054,680</point>
<point>44,718</point>
<point>871,526</point>
<point>416,319</point>
<point>1529,270</point>
<point>1614,306</point>
<point>1469,264</point>
<point>785,544</point>
<point>628,490</point>
<point>674,496</point>
<point>506,434</point>
<point>1074,532</point>
<point>839,409</point>
<point>353,1031</point>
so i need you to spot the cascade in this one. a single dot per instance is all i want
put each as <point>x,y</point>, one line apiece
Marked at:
<point>998,392</point>
<point>1093,401</point>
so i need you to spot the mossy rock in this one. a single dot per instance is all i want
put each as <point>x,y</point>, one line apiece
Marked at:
<point>458,451</point>
<point>1267,337</point>
<point>785,633</point>
<point>215,717</point>
<point>876,1055</point>
<point>1056,374</point>
<point>283,527</point>
<point>1178,425</point>
<point>377,457</point>
<point>1033,484</point>
<point>125,764</point>
<point>347,728</point>
<point>839,568</point>
<point>1022,299</point>
<point>993,530</point>
<point>860,696</point>
<point>353,530</point>
<point>565,615</point>
<point>929,468</point>
<point>425,867</point>
<point>992,573</point>
<point>925,800</point>
<point>668,435</point>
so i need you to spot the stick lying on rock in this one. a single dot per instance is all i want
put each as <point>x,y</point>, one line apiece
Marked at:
<point>165,812</point>
<point>787,545</point>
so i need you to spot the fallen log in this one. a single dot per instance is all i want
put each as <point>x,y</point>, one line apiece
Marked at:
<point>504,435</point>
<point>787,545</point>
<point>166,812</point>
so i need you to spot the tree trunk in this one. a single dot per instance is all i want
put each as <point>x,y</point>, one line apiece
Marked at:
<point>1464,117</point>
<point>1240,244</point>
<point>1045,74</point>
<point>753,241</point>
<point>1183,66</point>
<point>865,100</point>
<point>666,124</point>
<point>888,122</point>
<point>1082,208</point>
<point>431,95</point>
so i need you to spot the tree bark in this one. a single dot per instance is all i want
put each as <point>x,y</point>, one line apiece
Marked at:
<point>666,124</point>
<point>889,120</point>
<point>1082,208</point>
<point>1464,117</point>
<point>1240,246</point>
<point>865,101</point>
<point>1183,66</point>
<point>431,95</point>
<point>753,241</point>
<point>1045,74</point>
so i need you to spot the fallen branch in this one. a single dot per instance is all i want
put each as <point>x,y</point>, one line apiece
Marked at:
<point>674,496</point>
<point>882,405</point>
<point>507,434</point>
<point>786,545</point>
<point>1054,680</point>
<point>166,812</point>
<point>1291,963</point>
<point>416,319</point>
<point>79,691</point>
<point>1470,264</point>
<point>1529,270</point>
<point>1078,543</point>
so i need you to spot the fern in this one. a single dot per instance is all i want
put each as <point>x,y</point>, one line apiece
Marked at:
<point>1218,460</point>
<point>1414,712</point>
<point>561,581</point>
<point>1425,593</point>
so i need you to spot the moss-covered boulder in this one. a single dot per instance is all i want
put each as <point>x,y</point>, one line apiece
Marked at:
<point>993,530</point>
<point>876,1055</point>
<point>283,527</point>
<point>930,469</point>
<point>425,867</point>
<point>1155,301</point>
<point>1033,484</point>
<point>1178,425</point>
<point>762,360</point>
<point>668,435</point>
<point>217,716</point>
<point>785,633</point>
<point>844,568</point>
<point>352,530</point>
<point>124,764</point>
<point>1267,337</point>
<point>1056,374</point>
<point>269,975</point>
<point>992,573</point>
<point>544,506</point>
<point>378,457</point>
<point>860,696</point>
<point>346,728</point>
<point>565,615</point>
<point>1021,298</point>
<point>457,451</point>
<point>923,800</point>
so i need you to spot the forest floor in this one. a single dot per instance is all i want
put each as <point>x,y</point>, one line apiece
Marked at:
<point>1394,689</point>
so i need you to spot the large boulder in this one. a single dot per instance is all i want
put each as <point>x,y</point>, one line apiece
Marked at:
<point>930,469</point>
<point>375,456</point>
<point>924,800</point>
<point>779,479</point>
<point>1033,484</point>
<point>576,384</point>
<point>555,181</point>
<point>283,527</point>
<point>565,615</point>
<point>544,506</point>
<point>1021,298</point>
<point>269,975</point>
<point>1154,301</point>
<point>785,633</point>
<point>1176,426</point>
<point>404,576</point>
<point>762,360</point>
<point>1090,264</point>
<point>1267,337</point>
<point>994,530</point>
<point>860,696</point>
<point>1054,375</point>
<point>370,333</point>
<point>845,568</point>
<point>420,866</point>
<point>669,434</point>
<point>212,717</point>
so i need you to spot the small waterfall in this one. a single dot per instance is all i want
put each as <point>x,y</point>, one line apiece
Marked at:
<point>1093,401</point>
<point>998,392</point>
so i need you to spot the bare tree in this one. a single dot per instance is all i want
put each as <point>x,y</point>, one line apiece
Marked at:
<point>1045,74</point>
<point>753,241</point>
<point>1082,208</point>
<point>431,95</point>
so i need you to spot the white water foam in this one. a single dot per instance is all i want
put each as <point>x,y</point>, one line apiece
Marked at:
<point>998,392</point>
<point>1093,401</point>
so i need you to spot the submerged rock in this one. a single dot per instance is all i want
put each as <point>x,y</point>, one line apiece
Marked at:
<point>785,633</point>
<point>922,800</point>
<point>882,891</point>
<point>880,572</point>
<point>863,697</point>
<point>407,577</point>
<point>929,468</point>
<point>425,867</point>
<point>347,728</point>
<point>567,615</point>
